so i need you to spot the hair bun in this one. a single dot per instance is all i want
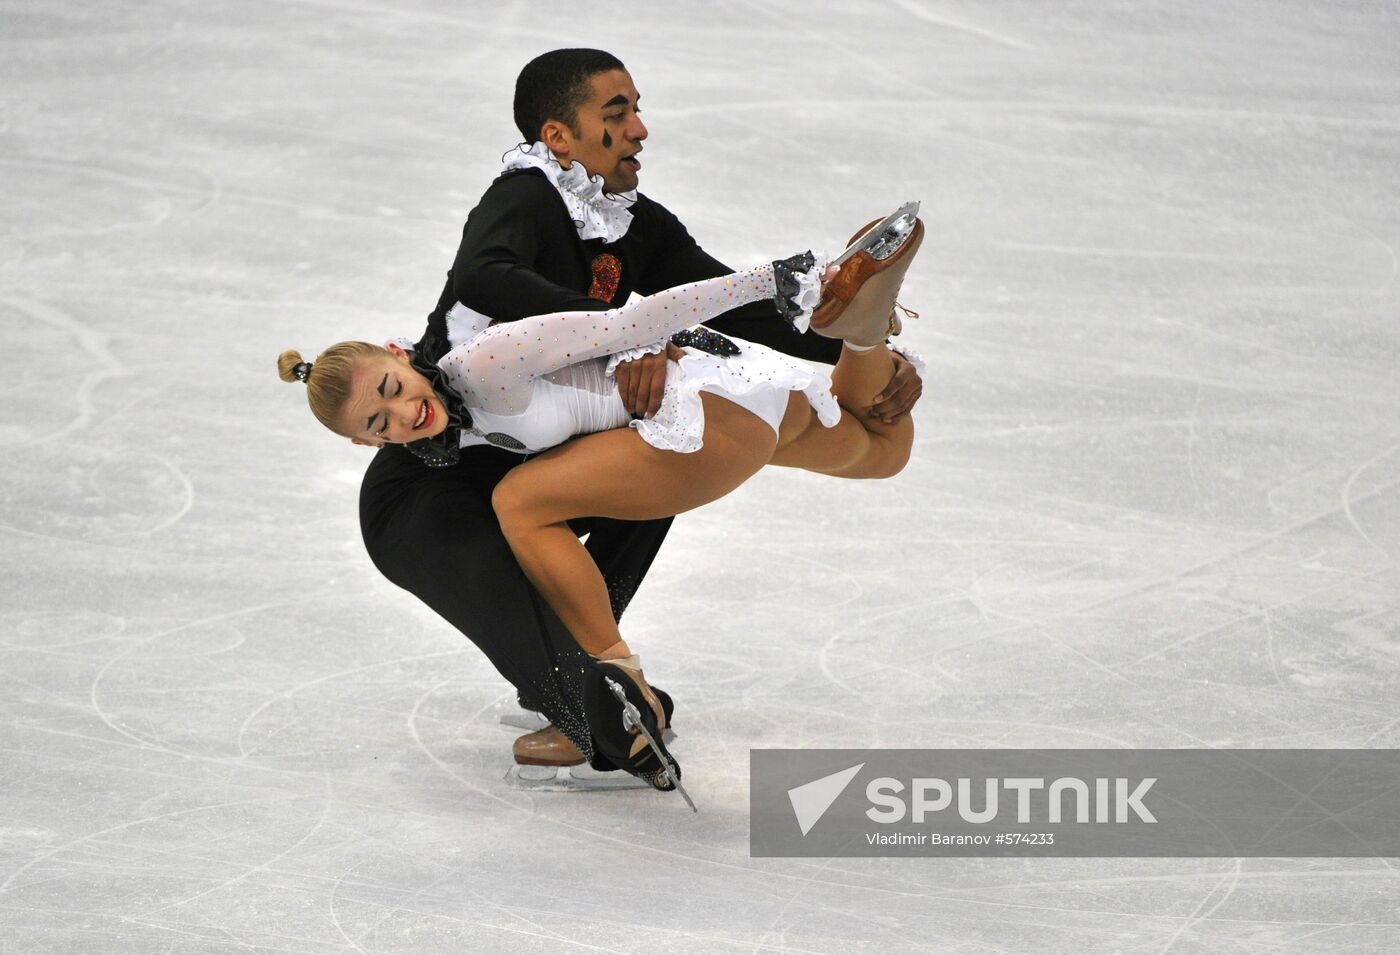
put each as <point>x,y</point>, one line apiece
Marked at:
<point>290,366</point>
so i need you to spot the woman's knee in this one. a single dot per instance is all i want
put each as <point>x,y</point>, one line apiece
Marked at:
<point>510,502</point>
<point>882,453</point>
<point>895,459</point>
<point>895,446</point>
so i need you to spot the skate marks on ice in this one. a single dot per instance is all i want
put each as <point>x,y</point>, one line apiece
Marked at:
<point>920,11</point>
<point>1153,501</point>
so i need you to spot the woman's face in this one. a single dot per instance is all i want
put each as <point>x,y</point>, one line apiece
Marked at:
<point>391,403</point>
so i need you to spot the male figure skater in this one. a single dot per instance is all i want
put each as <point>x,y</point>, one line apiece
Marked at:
<point>545,239</point>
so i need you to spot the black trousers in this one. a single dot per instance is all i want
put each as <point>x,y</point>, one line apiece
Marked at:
<point>432,532</point>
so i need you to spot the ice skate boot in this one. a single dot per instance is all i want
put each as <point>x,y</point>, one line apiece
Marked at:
<point>628,730</point>
<point>546,760</point>
<point>546,747</point>
<point>858,305</point>
<point>632,719</point>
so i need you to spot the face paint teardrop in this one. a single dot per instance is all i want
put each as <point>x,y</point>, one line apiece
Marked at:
<point>607,140</point>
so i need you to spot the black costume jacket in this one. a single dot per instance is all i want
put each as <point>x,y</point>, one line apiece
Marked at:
<point>521,256</point>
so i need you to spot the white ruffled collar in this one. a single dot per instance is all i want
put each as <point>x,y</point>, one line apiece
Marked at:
<point>596,214</point>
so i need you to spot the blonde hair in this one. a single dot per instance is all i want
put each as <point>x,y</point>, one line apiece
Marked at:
<point>329,377</point>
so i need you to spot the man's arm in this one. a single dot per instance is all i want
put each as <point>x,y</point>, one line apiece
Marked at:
<point>519,223</point>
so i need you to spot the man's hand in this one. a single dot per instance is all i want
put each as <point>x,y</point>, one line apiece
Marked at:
<point>642,383</point>
<point>900,394</point>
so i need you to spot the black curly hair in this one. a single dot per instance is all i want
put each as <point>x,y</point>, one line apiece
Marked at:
<point>554,85</point>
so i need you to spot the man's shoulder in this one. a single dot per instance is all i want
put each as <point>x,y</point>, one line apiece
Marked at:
<point>521,185</point>
<point>646,205</point>
<point>650,215</point>
<point>521,199</point>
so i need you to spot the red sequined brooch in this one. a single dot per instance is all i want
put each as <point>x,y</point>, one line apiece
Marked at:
<point>607,272</point>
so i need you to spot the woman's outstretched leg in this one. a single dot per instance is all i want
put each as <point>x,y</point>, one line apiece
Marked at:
<point>616,474</point>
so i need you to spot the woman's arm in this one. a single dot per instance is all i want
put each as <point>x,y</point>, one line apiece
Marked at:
<point>496,370</point>
<point>686,261</point>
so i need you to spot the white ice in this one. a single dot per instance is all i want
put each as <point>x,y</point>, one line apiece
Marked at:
<point>1153,501</point>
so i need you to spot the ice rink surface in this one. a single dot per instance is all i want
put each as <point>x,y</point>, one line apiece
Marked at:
<point>1153,501</point>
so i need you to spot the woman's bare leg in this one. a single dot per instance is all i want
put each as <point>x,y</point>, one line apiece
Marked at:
<point>616,474</point>
<point>861,445</point>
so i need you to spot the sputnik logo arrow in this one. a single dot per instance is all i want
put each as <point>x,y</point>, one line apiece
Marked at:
<point>810,801</point>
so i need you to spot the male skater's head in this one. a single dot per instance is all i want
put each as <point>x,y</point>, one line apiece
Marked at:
<point>583,106</point>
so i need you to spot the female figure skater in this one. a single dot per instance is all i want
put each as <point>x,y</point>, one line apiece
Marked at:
<point>730,408</point>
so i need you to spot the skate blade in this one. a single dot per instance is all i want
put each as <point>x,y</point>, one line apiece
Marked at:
<point>886,236</point>
<point>632,719</point>
<point>560,779</point>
